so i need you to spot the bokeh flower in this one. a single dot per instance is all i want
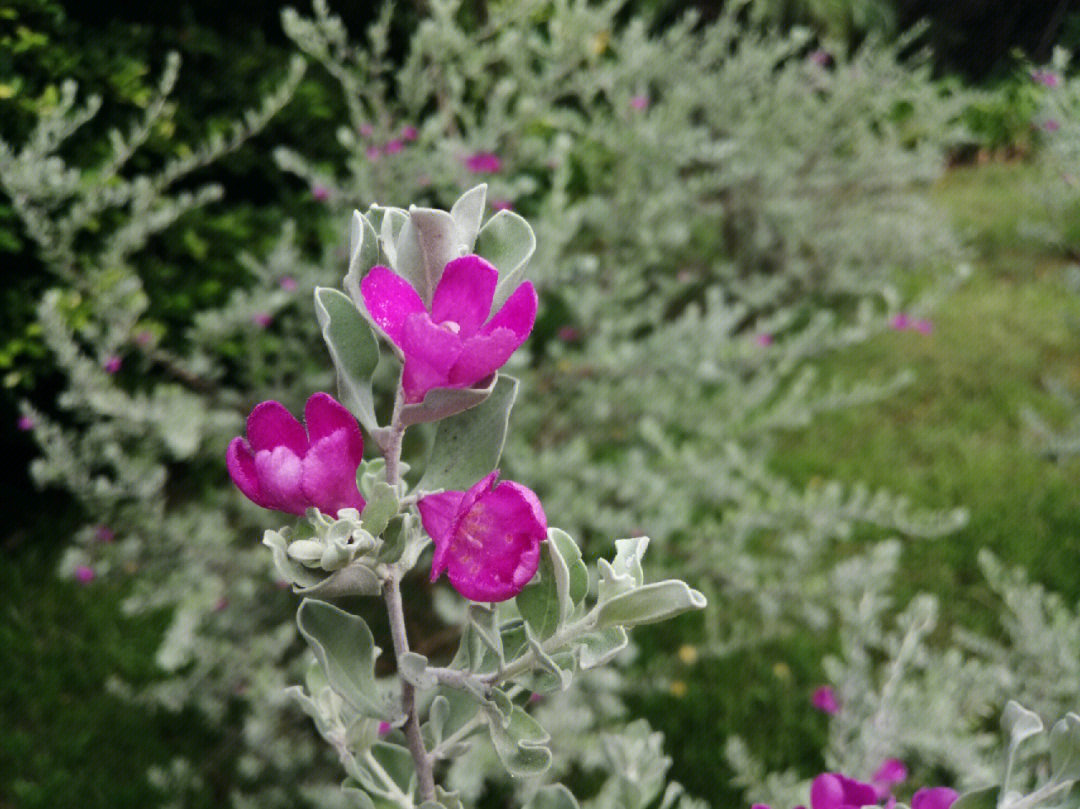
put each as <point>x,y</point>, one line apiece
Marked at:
<point>934,798</point>
<point>824,699</point>
<point>483,163</point>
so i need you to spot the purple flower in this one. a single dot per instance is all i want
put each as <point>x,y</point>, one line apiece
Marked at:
<point>384,728</point>
<point>1047,78</point>
<point>482,162</point>
<point>288,283</point>
<point>923,326</point>
<point>394,146</point>
<point>84,574</point>
<point>367,130</point>
<point>502,205</point>
<point>487,539</point>
<point>891,772</point>
<point>26,423</point>
<point>112,364</point>
<point>280,466</point>
<point>764,339</point>
<point>934,798</point>
<point>104,533</point>
<point>820,57</point>
<point>824,699</point>
<point>832,790</point>
<point>262,319</point>
<point>639,102</point>
<point>1051,125</point>
<point>320,193</point>
<point>900,321</point>
<point>409,132</point>
<point>373,153</point>
<point>452,344</point>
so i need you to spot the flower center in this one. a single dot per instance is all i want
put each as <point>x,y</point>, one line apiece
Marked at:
<point>451,326</point>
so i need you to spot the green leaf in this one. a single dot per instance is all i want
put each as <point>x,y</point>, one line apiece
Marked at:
<point>577,572</point>
<point>363,255</point>
<point>358,798</point>
<point>356,579</point>
<point>553,796</point>
<point>539,603</point>
<point>598,648</point>
<point>520,743</point>
<point>345,649</point>
<point>413,667</point>
<point>625,572</point>
<point>508,242</point>
<point>382,506</point>
<point>441,403</point>
<point>649,604</point>
<point>397,762</point>
<point>985,798</point>
<point>467,213</point>
<point>1065,748</point>
<point>547,663</point>
<point>289,569</point>
<point>353,349</point>
<point>1020,723</point>
<point>468,445</point>
<point>437,237</point>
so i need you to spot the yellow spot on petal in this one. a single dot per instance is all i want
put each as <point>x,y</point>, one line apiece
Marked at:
<point>677,689</point>
<point>688,654</point>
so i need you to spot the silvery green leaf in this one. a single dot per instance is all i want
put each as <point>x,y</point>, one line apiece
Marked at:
<point>546,662</point>
<point>556,675</point>
<point>443,800</point>
<point>363,255</point>
<point>1065,748</point>
<point>467,213</point>
<point>397,762</point>
<point>468,445</point>
<point>538,603</point>
<point>1020,723</point>
<point>598,648</point>
<point>438,714</point>
<point>985,798</point>
<point>287,568</point>
<point>462,708</point>
<point>358,798</point>
<point>409,260</point>
<point>508,242</point>
<point>624,572</point>
<point>389,222</point>
<point>437,236</point>
<point>382,506</point>
<point>345,649</point>
<point>553,796</point>
<point>441,403</point>
<point>353,349</point>
<point>520,743</point>
<point>368,474</point>
<point>305,551</point>
<point>483,620</point>
<point>356,579</point>
<point>649,604</point>
<point>323,723</point>
<point>413,667</point>
<point>570,554</point>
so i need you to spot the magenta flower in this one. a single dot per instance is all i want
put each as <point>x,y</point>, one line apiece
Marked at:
<point>384,728</point>
<point>934,798</point>
<point>394,146</point>
<point>891,772</point>
<point>288,283</point>
<point>502,205</point>
<point>482,162</point>
<point>487,539</point>
<point>824,699</point>
<point>367,130</point>
<point>1047,78</point>
<point>26,423</point>
<point>262,319</point>
<point>923,326</point>
<point>112,364</point>
<point>84,574</point>
<point>764,339</point>
<point>373,153</point>
<point>409,132</point>
<point>821,58</point>
<point>640,102</point>
<point>320,193</point>
<point>452,344</point>
<point>832,790</point>
<point>104,533</point>
<point>280,466</point>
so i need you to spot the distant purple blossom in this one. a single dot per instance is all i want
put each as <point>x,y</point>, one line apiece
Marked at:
<point>288,283</point>
<point>824,699</point>
<point>640,102</point>
<point>409,132</point>
<point>394,146</point>
<point>262,319</point>
<point>502,205</point>
<point>84,574</point>
<point>764,339</point>
<point>320,193</point>
<point>104,533</point>
<point>1047,78</point>
<point>373,153</point>
<point>112,364</point>
<point>26,423</point>
<point>483,162</point>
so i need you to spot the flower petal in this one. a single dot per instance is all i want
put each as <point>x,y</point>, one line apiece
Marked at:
<point>324,415</point>
<point>518,313</point>
<point>857,793</point>
<point>430,352</point>
<point>482,355</point>
<point>271,425</point>
<point>934,798</point>
<point>827,792</point>
<point>464,294</point>
<point>328,473</point>
<point>439,514</point>
<point>241,464</point>
<point>496,544</point>
<point>390,301</point>
<point>279,471</point>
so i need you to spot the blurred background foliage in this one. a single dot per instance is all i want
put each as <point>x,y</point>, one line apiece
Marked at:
<point>1010,327</point>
